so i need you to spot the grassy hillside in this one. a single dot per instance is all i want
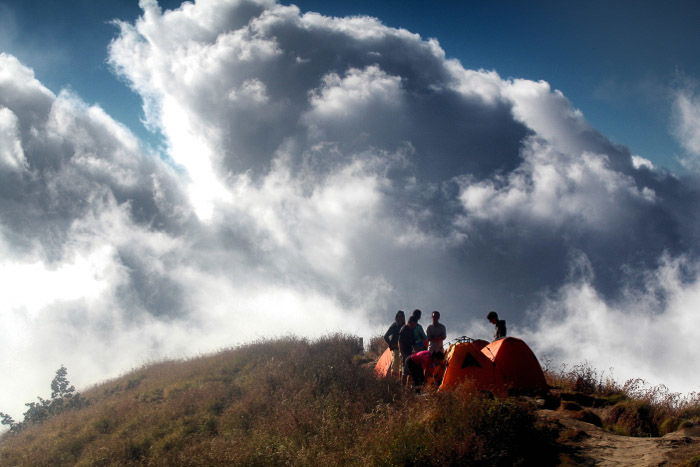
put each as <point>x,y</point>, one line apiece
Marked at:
<point>288,401</point>
<point>297,402</point>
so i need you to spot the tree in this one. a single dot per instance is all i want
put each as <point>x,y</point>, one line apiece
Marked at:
<point>63,397</point>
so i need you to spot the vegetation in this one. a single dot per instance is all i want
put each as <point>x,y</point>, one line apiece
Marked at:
<point>63,397</point>
<point>287,401</point>
<point>297,402</point>
<point>632,409</point>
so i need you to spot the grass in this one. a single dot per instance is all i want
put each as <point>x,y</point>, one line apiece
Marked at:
<point>283,402</point>
<point>297,402</point>
<point>634,408</point>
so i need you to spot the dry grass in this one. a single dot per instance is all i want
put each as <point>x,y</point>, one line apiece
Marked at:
<point>287,401</point>
<point>634,408</point>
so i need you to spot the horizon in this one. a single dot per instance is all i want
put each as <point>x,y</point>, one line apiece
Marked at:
<point>184,180</point>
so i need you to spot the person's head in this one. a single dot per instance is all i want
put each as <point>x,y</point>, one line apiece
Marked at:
<point>437,356</point>
<point>417,313</point>
<point>436,317</point>
<point>400,317</point>
<point>412,321</point>
<point>492,317</point>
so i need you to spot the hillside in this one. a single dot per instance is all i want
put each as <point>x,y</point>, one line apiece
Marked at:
<point>296,402</point>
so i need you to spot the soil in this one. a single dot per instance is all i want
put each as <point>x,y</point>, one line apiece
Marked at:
<point>587,444</point>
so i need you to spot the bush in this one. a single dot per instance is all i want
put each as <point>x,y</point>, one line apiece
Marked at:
<point>377,346</point>
<point>632,418</point>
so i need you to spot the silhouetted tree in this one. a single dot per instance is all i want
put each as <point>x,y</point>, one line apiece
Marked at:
<point>63,397</point>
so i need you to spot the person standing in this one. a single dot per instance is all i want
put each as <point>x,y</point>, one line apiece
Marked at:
<point>420,340</point>
<point>391,337</point>
<point>499,324</point>
<point>406,341</point>
<point>437,333</point>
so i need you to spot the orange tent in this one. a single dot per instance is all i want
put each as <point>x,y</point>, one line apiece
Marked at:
<point>516,364</point>
<point>480,343</point>
<point>381,369</point>
<point>501,367</point>
<point>465,361</point>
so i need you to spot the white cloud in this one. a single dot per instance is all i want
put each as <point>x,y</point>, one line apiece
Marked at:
<point>687,118</point>
<point>11,153</point>
<point>556,189</point>
<point>351,94</point>
<point>639,162</point>
<point>647,334</point>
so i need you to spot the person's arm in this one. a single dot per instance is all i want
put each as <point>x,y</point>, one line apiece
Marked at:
<point>429,332</point>
<point>422,336</point>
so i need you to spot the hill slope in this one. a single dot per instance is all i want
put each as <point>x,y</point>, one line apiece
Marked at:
<point>287,401</point>
<point>295,402</point>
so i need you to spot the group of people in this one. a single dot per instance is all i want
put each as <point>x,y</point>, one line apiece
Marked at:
<point>417,353</point>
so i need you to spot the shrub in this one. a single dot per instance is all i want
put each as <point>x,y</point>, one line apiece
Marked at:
<point>377,346</point>
<point>632,418</point>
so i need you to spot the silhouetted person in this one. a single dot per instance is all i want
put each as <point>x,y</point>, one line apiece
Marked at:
<point>406,341</point>
<point>421,364</point>
<point>436,333</point>
<point>392,339</point>
<point>500,325</point>
<point>420,340</point>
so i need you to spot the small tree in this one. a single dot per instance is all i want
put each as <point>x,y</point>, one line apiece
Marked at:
<point>63,397</point>
<point>7,420</point>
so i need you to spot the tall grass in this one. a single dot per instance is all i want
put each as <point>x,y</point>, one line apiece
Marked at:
<point>633,408</point>
<point>283,402</point>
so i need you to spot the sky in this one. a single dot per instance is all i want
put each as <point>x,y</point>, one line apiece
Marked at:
<point>177,180</point>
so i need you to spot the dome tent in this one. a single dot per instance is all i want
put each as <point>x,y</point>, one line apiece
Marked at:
<point>383,365</point>
<point>503,367</point>
<point>465,361</point>
<point>517,365</point>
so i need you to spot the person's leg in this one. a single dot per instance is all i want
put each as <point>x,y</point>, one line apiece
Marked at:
<point>416,373</point>
<point>396,362</point>
<point>404,369</point>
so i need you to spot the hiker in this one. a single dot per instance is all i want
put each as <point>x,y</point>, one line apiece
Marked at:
<point>420,340</point>
<point>500,325</point>
<point>421,364</point>
<point>406,340</point>
<point>391,337</point>
<point>436,333</point>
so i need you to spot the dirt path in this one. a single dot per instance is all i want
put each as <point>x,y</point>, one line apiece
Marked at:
<point>590,445</point>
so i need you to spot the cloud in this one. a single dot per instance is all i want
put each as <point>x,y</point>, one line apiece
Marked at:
<point>646,334</point>
<point>319,174</point>
<point>371,158</point>
<point>86,222</point>
<point>687,120</point>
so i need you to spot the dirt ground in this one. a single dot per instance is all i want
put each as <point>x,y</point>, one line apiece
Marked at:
<point>587,444</point>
